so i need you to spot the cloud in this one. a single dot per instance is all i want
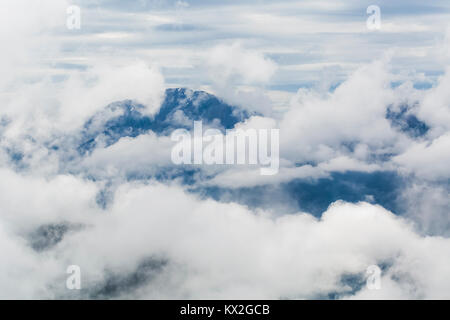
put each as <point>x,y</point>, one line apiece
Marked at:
<point>428,160</point>
<point>434,108</point>
<point>249,177</point>
<point>181,245</point>
<point>428,204</point>
<point>145,154</point>
<point>315,125</point>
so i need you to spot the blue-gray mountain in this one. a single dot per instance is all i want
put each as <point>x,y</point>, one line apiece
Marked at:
<point>179,109</point>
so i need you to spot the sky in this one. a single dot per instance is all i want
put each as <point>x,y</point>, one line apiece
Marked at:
<point>86,177</point>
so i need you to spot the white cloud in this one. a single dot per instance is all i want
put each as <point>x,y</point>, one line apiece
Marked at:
<point>315,124</point>
<point>143,154</point>
<point>435,108</point>
<point>250,177</point>
<point>217,250</point>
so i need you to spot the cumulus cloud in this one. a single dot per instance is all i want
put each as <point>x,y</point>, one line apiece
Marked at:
<point>141,155</point>
<point>232,63</point>
<point>435,107</point>
<point>315,125</point>
<point>104,211</point>
<point>246,255</point>
<point>65,106</point>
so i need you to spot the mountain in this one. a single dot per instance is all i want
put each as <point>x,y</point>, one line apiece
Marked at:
<point>179,109</point>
